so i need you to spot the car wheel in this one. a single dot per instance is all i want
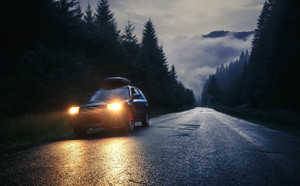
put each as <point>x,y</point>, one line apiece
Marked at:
<point>145,121</point>
<point>130,124</point>
<point>79,132</point>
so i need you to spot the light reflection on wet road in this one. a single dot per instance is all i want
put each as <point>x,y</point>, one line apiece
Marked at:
<point>99,160</point>
<point>195,147</point>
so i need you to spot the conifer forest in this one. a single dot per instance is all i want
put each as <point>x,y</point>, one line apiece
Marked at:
<point>267,78</point>
<point>54,53</point>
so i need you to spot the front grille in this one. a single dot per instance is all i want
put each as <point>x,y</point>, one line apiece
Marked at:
<point>92,109</point>
<point>91,114</point>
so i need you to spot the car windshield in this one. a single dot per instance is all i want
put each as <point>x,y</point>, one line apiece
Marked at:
<point>118,93</point>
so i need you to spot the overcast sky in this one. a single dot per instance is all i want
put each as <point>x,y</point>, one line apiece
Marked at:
<point>180,25</point>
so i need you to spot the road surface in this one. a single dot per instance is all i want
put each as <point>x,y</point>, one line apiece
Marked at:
<point>195,147</point>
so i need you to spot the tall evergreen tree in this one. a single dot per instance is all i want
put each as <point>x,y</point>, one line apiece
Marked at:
<point>152,64</point>
<point>173,74</point>
<point>89,17</point>
<point>213,89</point>
<point>131,49</point>
<point>130,41</point>
<point>151,54</point>
<point>69,12</point>
<point>149,40</point>
<point>129,36</point>
<point>259,55</point>
<point>205,98</point>
<point>68,22</point>
<point>106,42</point>
<point>280,81</point>
<point>104,16</point>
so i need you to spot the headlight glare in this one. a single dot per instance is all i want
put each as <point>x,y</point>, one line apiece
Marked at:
<point>114,106</point>
<point>74,110</point>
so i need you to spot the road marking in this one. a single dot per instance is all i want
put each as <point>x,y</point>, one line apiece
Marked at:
<point>225,121</point>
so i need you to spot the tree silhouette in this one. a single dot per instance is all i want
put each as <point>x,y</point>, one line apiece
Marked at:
<point>53,56</point>
<point>89,17</point>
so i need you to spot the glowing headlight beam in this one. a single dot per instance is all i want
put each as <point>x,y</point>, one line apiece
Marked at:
<point>114,106</point>
<point>74,110</point>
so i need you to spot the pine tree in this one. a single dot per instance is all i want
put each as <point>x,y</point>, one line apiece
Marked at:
<point>213,89</point>
<point>78,13</point>
<point>89,17</point>
<point>161,87</point>
<point>131,49</point>
<point>129,36</point>
<point>105,22</point>
<point>151,54</point>
<point>205,98</point>
<point>106,44</point>
<point>69,12</point>
<point>173,75</point>
<point>280,81</point>
<point>130,41</point>
<point>149,40</point>
<point>104,17</point>
<point>258,58</point>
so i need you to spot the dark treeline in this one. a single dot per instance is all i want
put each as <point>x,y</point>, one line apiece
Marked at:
<point>53,54</point>
<point>217,84</point>
<point>270,79</point>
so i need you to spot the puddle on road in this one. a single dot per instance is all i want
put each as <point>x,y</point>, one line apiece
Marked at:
<point>163,127</point>
<point>186,127</point>
<point>189,126</point>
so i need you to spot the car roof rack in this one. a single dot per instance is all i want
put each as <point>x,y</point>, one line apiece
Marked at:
<point>115,82</point>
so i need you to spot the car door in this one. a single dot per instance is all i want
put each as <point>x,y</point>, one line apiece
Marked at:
<point>144,103</point>
<point>138,103</point>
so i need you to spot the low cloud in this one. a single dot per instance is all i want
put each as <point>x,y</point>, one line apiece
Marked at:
<point>185,17</point>
<point>197,57</point>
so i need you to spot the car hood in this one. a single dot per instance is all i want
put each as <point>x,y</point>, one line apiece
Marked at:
<point>94,104</point>
<point>99,104</point>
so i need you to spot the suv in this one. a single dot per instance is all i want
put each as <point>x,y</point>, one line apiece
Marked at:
<point>117,104</point>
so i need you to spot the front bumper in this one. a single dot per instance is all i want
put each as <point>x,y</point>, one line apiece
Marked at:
<point>101,118</point>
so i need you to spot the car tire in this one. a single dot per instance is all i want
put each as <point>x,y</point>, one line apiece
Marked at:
<point>130,124</point>
<point>146,119</point>
<point>79,132</point>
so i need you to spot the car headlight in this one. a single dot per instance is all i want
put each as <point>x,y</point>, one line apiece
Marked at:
<point>114,106</point>
<point>73,110</point>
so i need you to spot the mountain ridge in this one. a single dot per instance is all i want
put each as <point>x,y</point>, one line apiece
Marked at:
<point>222,33</point>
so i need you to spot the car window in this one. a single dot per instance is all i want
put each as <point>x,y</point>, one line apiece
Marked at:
<point>136,93</point>
<point>103,95</point>
<point>142,94</point>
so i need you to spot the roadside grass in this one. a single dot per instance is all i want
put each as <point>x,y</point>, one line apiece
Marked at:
<point>275,119</point>
<point>32,129</point>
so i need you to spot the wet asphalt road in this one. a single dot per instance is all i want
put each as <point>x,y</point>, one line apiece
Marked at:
<point>195,147</point>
